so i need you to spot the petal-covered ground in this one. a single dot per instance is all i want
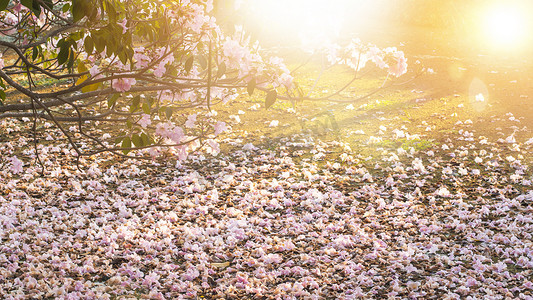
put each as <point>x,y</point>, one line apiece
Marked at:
<point>293,218</point>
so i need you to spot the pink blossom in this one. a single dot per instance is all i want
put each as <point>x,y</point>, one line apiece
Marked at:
<point>123,84</point>
<point>191,274</point>
<point>95,72</point>
<point>198,18</point>
<point>443,192</point>
<point>182,153</point>
<point>286,80</point>
<point>376,55</point>
<point>214,147</point>
<point>16,165</point>
<point>272,258</point>
<point>123,25</point>
<point>17,8</point>
<point>209,6</point>
<point>249,147</point>
<point>145,121</point>
<point>191,120</point>
<point>470,282</point>
<point>160,70</point>
<point>233,50</point>
<point>413,285</point>
<point>400,66</point>
<point>220,127</point>
<point>2,63</point>
<point>177,135</point>
<point>141,59</point>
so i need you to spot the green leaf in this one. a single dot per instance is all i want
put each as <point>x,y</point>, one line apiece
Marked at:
<point>123,57</point>
<point>66,7</point>
<point>150,100</point>
<point>188,63</point>
<point>48,4</point>
<point>3,95</point>
<point>126,143</point>
<point>35,52</point>
<point>32,5</point>
<point>78,9</point>
<point>129,124</point>
<point>64,51</point>
<point>251,87</point>
<point>221,70</point>
<point>112,100</point>
<point>71,56</point>
<point>270,98</point>
<point>3,4</point>
<point>146,139</point>
<point>135,101</point>
<point>168,112</point>
<point>137,141</point>
<point>99,43</point>
<point>118,140</point>
<point>146,108</point>
<point>203,61</point>
<point>111,12</point>
<point>110,45</point>
<point>88,44</point>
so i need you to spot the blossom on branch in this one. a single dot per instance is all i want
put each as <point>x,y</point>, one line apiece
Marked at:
<point>123,84</point>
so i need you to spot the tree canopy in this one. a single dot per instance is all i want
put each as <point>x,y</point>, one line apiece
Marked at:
<point>146,72</point>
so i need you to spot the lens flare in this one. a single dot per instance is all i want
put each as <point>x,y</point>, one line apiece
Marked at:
<point>479,95</point>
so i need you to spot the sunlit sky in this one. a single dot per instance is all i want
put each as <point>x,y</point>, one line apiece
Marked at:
<point>312,22</point>
<point>492,24</point>
<point>506,24</point>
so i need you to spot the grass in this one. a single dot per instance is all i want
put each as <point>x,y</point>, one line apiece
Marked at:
<point>426,107</point>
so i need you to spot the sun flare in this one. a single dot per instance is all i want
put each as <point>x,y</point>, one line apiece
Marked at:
<point>312,22</point>
<point>506,26</point>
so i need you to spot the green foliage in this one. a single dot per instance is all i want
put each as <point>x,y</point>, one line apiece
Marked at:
<point>271,97</point>
<point>251,87</point>
<point>4,4</point>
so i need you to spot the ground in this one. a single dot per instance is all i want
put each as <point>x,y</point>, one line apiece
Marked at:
<point>418,191</point>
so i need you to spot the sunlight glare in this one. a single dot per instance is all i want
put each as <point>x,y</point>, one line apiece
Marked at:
<point>506,26</point>
<point>313,22</point>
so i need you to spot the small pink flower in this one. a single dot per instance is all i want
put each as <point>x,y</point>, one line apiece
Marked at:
<point>191,274</point>
<point>376,55</point>
<point>191,120</point>
<point>160,70</point>
<point>123,84</point>
<point>182,153</point>
<point>123,25</point>
<point>272,258</point>
<point>286,80</point>
<point>220,127</point>
<point>141,59</point>
<point>145,121</point>
<point>233,51</point>
<point>209,6</point>
<point>17,8</point>
<point>400,66</point>
<point>177,135</point>
<point>95,72</point>
<point>151,279</point>
<point>214,147</point>
<point>16,165</point>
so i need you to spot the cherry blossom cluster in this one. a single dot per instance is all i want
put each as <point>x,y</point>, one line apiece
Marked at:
<point>356,55</point>
<point>168,65</point>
